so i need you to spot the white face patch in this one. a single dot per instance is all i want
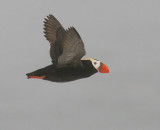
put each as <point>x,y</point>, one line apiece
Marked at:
<point>95,63</point>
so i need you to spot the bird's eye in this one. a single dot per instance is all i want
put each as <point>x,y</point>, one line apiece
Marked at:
<point>95,63</point>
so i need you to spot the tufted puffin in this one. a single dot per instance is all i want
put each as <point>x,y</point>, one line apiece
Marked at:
<point>66,52</point>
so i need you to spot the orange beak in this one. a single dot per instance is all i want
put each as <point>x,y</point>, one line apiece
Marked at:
<point>37,77</point>
<point>103,68</point>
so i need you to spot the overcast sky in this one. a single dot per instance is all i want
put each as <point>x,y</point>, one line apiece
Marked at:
<point>123,34</point>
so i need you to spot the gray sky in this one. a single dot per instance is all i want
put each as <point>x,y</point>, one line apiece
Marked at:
<point>123,34</point>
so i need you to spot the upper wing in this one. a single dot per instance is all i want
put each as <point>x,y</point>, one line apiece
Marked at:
<point>51,27</point>
<point>54,31</point>
<point>73,49</point>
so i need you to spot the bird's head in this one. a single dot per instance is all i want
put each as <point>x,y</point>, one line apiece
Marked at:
<point>100,66</point>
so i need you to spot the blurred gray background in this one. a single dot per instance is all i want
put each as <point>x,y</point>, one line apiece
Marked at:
<point>123,34</point>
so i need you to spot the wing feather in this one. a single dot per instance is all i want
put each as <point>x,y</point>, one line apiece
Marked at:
<point>51,26</point>
<point>73,49</point>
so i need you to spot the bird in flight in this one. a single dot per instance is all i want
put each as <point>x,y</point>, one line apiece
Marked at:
<point>66,52</point>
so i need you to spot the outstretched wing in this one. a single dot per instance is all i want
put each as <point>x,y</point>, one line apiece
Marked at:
<point>51,27</point>
<point>54,31</point>
<point>73,49</point>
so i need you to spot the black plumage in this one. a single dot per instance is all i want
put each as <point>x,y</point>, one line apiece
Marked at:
<point>66,51</point>
<point>65,74</point>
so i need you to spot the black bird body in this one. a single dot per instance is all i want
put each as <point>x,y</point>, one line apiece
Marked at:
<point>66,51</point>
<point>66,74</point>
